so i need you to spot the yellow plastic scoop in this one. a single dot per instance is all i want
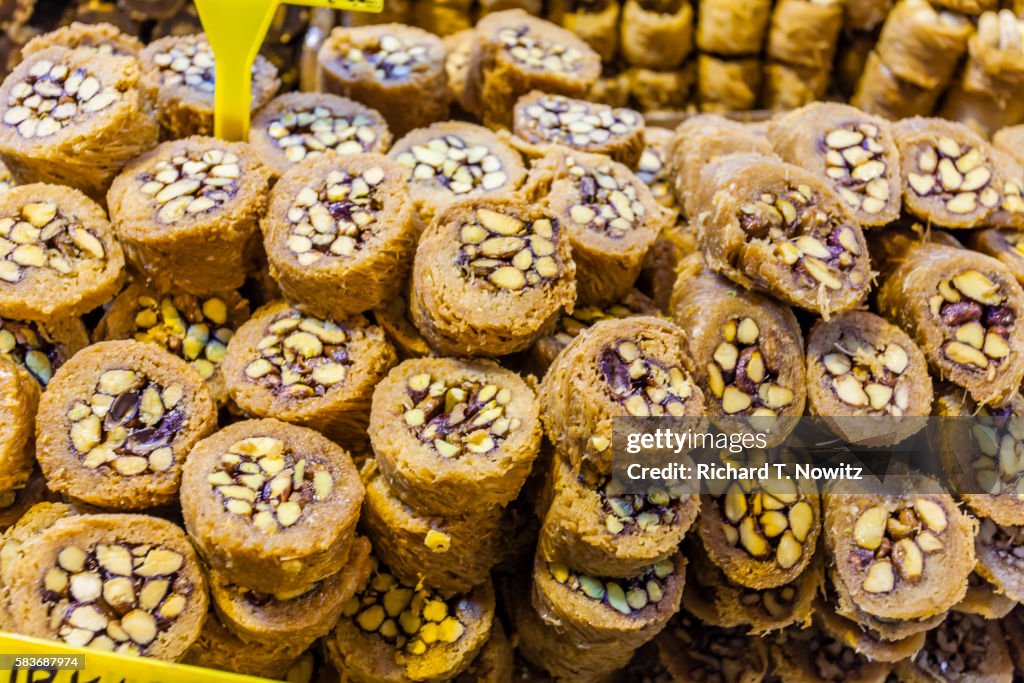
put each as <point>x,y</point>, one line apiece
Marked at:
<point>236,29</point>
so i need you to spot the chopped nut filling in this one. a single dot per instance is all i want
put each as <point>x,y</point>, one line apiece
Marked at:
<point>55,96</point>
<point>894,545</point>
<point>507,252</point>
<point>194,329</point>
<point>626,596</point>
<point>739,375</point>
<point>767,525</point>
<point>654,172</point>
<point>958,175</point>
<point>307,133</point>
<point>449,161</point>
<point>187,186</point>
<point>959,646</point>
<point>302,356</point>
<point>715,655</point>
<point>43,236</point>
<point>584,317</point>
<point>27,345</point>
<point>999,464</point>
<point>336,219</point>
<point>578,123</point>
<point>628,513</point>
<point>262,478</point>
<point>978,320</point>
<point>458,418</point>
<point>539,53</point>
<point>855,162</point>
<point>392,57</point>
<point>867,376</point>
<point>115,596</point>
<point>188,61</point>
<point>641,383</point>
<point>409,618</point>
<point>1008,541</point>
<point>607,204</point>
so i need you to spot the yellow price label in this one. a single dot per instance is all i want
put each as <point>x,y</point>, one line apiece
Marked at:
<point>236,29</point>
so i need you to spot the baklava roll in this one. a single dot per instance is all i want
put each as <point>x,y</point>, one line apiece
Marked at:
<point>188,213</point>
<point>983,600</point>
<point>36,518</point>
<point>218,648</point>
<point>923,45</point>
<point>491,276</point>
<point>805,32</point>
<point>653,90</point>
<point>691,650</point>
<point>790,86</point>
<point>19,401</point>
<point>394,12</point>
<point>727,85</point>
<point>1011,141</point>
<point>271,506</point>
<point>41,348</point>
<point>316,372</point>
<point>866,15</point>
<point>998,548</point>
<point>657,34</point>
<point>727,27</point>
<point>106,38</point>
<point>1010,213</point>
<point>101,122</point>
<point>117,423</point>
<point>862,640</point>
<point>881,92</point>
<point>965,647</point>
<point>388,67</point>
<point>15,505</point>
<point>178,75</point>
<point>811,655</point>
<point>1005,245</point>
<point>302,125</point>
<point>596,22</point>
<point>393,318</point>
<point>340,232</point>
<point>60,256</point>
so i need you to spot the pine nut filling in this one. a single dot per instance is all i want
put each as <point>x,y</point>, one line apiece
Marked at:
<point>260,477</point>
<point>336,219</point>
<point>189,61</point>
<point>867,376</point>
<point>998,465</point>
<point>716,655</point>
<point>855,162</point>
<point>741,378</point>
<point>607,204</point>
<point>959,646</point>
<point>625,596</point>
<point>652,170</point>
<point>128,424</point>
<point>27,346</point>
<point>392,57</point>
<point>55,96</point>
<point>194,329</point>
<point>301,356</point>
<point>768,526</point>
<point>957,175</point>
<point>1008,542</point>
<point>563,120</point>
<point>115,596</point>
<point>453,163</point>
<point>42,236</point>
<point>977,321</point>
<point>458,418</point>
<point>642,384</point>
<point>409,618</point>
<point>189,185</point>
<point>310,132</point>
<point>538,53</point>
<point>507,252</point>
<point>585,317</point>
<point>626,513</point>
<point>893,546</point>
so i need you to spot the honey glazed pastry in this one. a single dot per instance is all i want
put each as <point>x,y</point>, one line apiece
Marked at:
<point>983,600</point>
<point>881,92</point>
<point>19,401</point>
<point>863,640</point>
<point>725,85</point>
<point>653,166</point>
<point>653,90</point>
<point>656,34</point>
<point>805,32</point>
<point>791,86</point>
<point>595,21</point>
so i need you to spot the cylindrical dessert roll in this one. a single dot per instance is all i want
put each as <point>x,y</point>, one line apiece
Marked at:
<point>657,34</point>
<point>963,310</point>
<point>19,400</point>
<point>41,348</point>
<point>1005,245</point>
<point>732,28</point>
<point>790,86</point>
<point>393,631</point>
<point>596,22</point>
<point>1011,140</point>
<point>393,318</point>
<point>965,647</point>
<point>880,92</point>
<point>60,258</point>
<point>652,90</point>
<point>543,119</point>
<point>102,119</point>
<point>778,228</point>
<point>811,655</point>
<point>319,373</point>
<point>1010,213</point>
<point>653,166</point>
<point>36,519</point>
<point>725,85</point>
<point>340,233</point>
<point>106,38</point>
<point>454,436</point>
<point>16,503</point>
<point>388,67</point>
<point>443,17</point>
<point>303,125</point>
<point>863,640</point>
<point>187,213</point>
<point>922,45</point>
<point>117,422</point>
<point>127,583</point>
<point>459,47</point>
<point>271,506</point>
<point>854,150</point>
<point>983,600</point>
<point>514,53</point>
<point>452,160</point>
<point>218,648</point>
<point>997,548</point>
<point>805,32</point>
<point>178,74</point>
<point>613,87</point>
<point>632,367</point>
<point>890,247</point>
<point>490,277</point>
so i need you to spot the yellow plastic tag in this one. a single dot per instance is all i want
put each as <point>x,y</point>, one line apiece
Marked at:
<point>236,29</point>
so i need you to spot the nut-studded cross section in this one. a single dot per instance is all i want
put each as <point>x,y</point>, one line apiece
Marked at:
<point>301,356</point>
<point>625,596</point>
<point>741,377</point>
<point>654,172</point>
<point>632,513</point>
<point>641,383</point>
<point>40,235</point>
<point>192,328</point>
<point>606,203</point>
<point>453,163</point>
<point>998,465</point>
<point>855,162</point>
<point>976,320</point>
<point>27,345</point>
<point>53,96</point>
<point>507,252</point>
<point>769,521</point>
<point>306,133</point>
<point>958,175</point>
<point>578,123</point>
<point>539,53</point>
<point>866,375</point>
<point>188,61</point>
<point>893,545</point>
<point>393,57</point>
<point>191,184</point>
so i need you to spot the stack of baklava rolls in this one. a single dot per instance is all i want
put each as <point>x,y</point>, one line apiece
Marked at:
<point>730,36</point>
<point>802,39</point>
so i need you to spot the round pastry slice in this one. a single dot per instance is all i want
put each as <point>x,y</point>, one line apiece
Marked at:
<point>983,600</point>
<point>218,648</point>
<point>964,648</point>
<point>41,348</point>
<point>271,506</point>
<point>998,549</point>
<point>19,400</point>
<point>692,650</point>
<point>863,640</point>
<point>811,655</point>
<point>106,38</point>
<point>117,422</point>
<point>60,258</point>
<point>127,583</point>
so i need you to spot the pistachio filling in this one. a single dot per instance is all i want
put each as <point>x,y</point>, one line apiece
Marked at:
<point>958,646</point>
<point>302,356</point>
<point>578,123</point>
<point>978,321</point>
<point>507,252</point>
<point>392,57</point>
<point>625,596</point>
<point>1007,541</point>
<point>855,162</point>
<point>538,53</point>
<point>740,376</point>
<point>43,236</point>
<point>189,327</point>
<point>894,545</point>
<point>409,618</point>
<point>28,346</point>
<point>336,219</point>
<point>998,465</point>
<point>866,375</point>
<point>628,513</point>
<point>54,96</point>
<point>654,172</point>
<point>260,477</point>
<point>957,175</point>
<point>453,163</point>
<point>306,133</point>
<point>767,526</point>
<point>584,317</point>
<point>115,596</point>
<point>606,204</point>
<point>715,655</point>
<point>643,384</point>
<point>187,185</point>
<point>188,61</point>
